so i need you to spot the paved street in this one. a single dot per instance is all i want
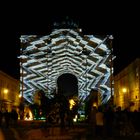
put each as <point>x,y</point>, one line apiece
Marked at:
<point>37,131</point>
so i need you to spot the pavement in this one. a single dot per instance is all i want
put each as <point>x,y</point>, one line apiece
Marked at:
<point>39,131</point>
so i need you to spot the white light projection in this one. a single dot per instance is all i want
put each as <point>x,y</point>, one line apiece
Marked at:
<point>45,58</point>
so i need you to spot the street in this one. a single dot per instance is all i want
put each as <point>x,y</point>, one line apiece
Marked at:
<point>38,131</point>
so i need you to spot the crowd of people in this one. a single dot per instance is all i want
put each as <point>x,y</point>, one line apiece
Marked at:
<point>103,121</point>
<point>8,118</point>
<point>109,122</point>
<point>61,115</point>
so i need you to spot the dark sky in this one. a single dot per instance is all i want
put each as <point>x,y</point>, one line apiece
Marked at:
<point>124,28</point>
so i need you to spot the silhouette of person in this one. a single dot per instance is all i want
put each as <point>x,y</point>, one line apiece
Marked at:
<point>7,118</point>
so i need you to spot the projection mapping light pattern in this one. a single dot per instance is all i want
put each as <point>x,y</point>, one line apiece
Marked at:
<point>44,58</point>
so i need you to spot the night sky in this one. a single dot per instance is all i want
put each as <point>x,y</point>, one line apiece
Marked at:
<point>125,43</point>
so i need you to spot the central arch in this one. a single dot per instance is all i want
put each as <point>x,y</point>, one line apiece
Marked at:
<point>67,84</point>
<point>45,58</point>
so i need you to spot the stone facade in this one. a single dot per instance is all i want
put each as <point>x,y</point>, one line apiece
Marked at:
<point>9,92</point>
<point>127,87</point>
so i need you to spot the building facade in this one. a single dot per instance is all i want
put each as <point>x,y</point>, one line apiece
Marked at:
<point>65,51</point>
<point>127,87</point>
<point>9,92</point>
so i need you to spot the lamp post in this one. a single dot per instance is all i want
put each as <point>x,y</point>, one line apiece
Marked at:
<point>111,66</point>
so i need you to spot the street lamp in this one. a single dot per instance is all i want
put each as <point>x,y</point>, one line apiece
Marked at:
<point>111,74</point>
<point>124,90</point>
<point>5,91</point>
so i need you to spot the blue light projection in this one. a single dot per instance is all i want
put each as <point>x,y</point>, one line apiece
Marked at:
<point>45,58</point>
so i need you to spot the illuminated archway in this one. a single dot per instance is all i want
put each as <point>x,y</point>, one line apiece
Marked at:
<point>45,58</point>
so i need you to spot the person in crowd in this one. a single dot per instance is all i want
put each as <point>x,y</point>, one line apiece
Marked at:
<point>62,116</point>
<point>69,118</point>
<point>99,122</point>
<point>127,127</point>
<point>92,120</point>
<point>14,117</point>
<point>7,118</point>
<point>1,117</point>
<point>109,119</point>
<point>118,123</point>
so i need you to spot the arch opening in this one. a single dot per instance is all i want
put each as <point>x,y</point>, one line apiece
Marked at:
<point>67,84</point>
